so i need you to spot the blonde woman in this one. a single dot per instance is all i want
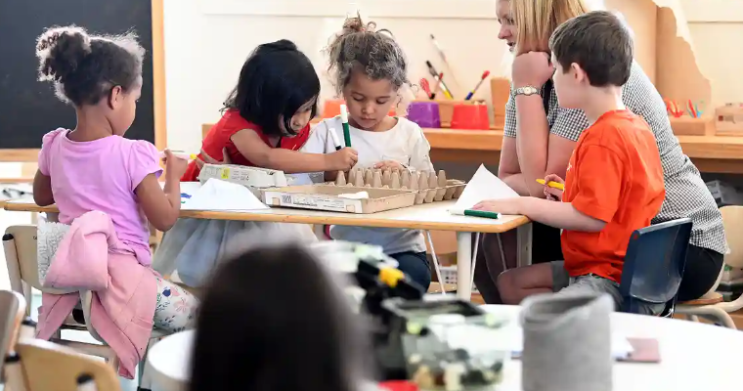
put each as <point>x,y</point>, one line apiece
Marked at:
<point>541,136</point>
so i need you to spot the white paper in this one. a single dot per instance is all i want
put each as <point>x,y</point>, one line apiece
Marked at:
<point>484,185</point>
<point>217,195</point>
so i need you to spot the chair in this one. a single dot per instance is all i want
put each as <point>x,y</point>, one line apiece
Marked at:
<point>19,242</point>
<point>711,305</point>
<point>49,366</point>
<point>654,265</point>
<point>12,312</point>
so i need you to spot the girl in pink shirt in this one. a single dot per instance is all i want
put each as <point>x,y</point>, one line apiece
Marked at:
<point>93,167</point>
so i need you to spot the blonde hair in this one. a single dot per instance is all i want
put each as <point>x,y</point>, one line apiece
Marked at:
<point>536,20</point>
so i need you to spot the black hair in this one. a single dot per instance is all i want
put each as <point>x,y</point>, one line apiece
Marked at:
<point>275,81</point>
<point>600,43</point>
<point>274,319</point>
<point>84,68</point>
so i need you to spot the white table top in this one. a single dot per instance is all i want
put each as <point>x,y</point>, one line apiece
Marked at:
<point>694,356</point>
<point>433,216</point>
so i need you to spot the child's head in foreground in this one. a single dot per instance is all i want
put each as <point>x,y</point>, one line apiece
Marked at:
<point>369,70</point>
<point>274,319</point>
<point>97,74</point>
<point>277,89</point>
<point>591,51</point>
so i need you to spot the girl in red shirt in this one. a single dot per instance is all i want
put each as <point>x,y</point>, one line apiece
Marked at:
<point>267,116</point>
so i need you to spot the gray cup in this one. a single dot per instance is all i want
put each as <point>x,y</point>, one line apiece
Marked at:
<point>567,343</point>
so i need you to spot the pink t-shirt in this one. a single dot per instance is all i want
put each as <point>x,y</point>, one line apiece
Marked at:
<point>100,175</point>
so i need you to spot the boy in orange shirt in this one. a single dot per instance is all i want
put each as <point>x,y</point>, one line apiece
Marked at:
<point>614,181</point>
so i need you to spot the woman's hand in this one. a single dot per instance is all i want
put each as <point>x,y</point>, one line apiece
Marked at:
<point>210,160</point>
<point>531,69</point>
<point>510,206</point>
<point>551,193</point>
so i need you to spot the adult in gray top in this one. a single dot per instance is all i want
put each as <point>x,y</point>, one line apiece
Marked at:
<point>541,136</point>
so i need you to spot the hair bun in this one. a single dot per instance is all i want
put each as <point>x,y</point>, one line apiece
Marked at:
<point>60,50</point>
<point>281,45</point>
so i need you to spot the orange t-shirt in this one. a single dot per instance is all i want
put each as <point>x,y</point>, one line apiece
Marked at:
<point>220,137</point>
<point>614,175</point>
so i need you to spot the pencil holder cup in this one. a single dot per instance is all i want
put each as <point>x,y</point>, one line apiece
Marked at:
<point>332,108</point>
<point>470,116</point>
<point>425,114</point>
<point>567,343</point>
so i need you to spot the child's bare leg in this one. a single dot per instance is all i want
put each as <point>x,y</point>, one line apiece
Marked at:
<point>516,284</point>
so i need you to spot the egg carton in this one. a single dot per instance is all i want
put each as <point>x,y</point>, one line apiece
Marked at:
<point>254,178</point>
<point>429,186</point>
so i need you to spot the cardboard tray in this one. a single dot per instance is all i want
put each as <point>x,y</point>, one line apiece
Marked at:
<point>324,197</point>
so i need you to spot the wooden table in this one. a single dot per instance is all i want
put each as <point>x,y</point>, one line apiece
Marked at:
<point>694,356</point>
<point>718,154</point>
<point>433,216</point>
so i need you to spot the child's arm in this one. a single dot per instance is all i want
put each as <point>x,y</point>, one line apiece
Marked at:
<point>163,205</point>
<point>420,158</point>
<point>561,215</point>
<point>254,149</point>
<point>43,189</point>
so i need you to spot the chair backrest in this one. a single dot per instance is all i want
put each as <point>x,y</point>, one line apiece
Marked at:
<point>48,366</point>
<point>732,218</point>
<point>654,264</point>
<point>19,243</point>
<point>12,312</point>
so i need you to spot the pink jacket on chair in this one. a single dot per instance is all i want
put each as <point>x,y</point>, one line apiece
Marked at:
<point>91,257</point>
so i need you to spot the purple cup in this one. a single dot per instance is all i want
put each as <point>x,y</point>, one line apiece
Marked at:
<point>425,114</point>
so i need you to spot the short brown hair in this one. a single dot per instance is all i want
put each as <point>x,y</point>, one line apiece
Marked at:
<point>600,43</point>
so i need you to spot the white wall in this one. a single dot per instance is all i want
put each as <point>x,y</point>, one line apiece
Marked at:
<point>204,52</point>
<point>207,41</point>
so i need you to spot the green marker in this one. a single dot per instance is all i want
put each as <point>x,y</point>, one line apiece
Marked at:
<point>346,128</point>
<point>475,213</point>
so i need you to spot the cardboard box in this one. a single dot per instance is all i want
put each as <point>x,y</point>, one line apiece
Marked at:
<point>325,197</point>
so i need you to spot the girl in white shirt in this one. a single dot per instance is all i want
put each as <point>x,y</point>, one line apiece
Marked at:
<point>369,71</point>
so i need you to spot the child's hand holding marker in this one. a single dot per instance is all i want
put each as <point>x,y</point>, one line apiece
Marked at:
<point>554,186</point>
<point>345,158</point>
<point>175,166</point>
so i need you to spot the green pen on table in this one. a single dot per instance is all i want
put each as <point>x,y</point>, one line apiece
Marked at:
<point>346,128</point>
<point>475,213</point>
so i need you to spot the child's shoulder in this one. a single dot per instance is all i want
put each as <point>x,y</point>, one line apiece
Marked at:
<point>613,129</point>
<point>49,138</point>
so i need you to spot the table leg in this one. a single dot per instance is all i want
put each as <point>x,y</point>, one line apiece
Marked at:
<point>464,265</point>
<point>524,245</point>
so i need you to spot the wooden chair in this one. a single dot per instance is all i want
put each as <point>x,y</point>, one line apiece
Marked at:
<point>49,366</point>
<point>20,253</point>
<point>711,305</point>
<point>12,312</point>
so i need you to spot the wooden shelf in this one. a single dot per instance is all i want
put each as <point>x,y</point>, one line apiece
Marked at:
<point>710,153</point>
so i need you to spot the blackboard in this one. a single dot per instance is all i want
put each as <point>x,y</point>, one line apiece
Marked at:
<point>29,108</point>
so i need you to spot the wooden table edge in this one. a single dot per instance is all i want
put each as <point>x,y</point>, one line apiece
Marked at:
<point>370,221</point>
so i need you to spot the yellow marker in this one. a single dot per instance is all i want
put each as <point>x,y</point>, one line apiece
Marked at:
<point>552,184</point>
<point>390,276</point>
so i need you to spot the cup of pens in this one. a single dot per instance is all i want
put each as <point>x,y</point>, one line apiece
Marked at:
<point>471,117</point>
<point>425,114</point>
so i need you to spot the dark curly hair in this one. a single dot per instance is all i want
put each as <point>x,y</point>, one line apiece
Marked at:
<point>375,52</point>
<point>84,68</point>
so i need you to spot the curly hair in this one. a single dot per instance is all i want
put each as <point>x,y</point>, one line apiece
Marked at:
<point>375,52</point>
<point>84,68</point>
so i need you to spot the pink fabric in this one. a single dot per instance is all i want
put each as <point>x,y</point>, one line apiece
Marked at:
<point>100,175</point>
<point>122,313</point>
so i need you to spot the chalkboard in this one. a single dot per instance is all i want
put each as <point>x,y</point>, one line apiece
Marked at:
<point>28,108</point>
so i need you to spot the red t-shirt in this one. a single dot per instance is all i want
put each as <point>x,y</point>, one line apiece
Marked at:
<point>220,136</point>
<point>614,175</point>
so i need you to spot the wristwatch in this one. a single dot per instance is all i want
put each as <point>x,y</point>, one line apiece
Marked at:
<point>526,90</point>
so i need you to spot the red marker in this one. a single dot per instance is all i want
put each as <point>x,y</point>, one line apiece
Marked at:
<point>482,79</point>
